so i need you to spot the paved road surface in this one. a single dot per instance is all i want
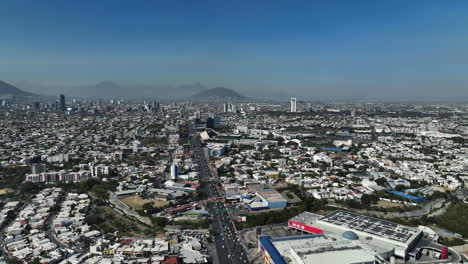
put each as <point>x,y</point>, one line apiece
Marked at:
<point>228,244</point>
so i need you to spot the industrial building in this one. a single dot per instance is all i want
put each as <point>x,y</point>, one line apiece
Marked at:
<point>269,198</point>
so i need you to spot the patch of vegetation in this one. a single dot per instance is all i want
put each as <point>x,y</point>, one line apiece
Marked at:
<point>455,218</point>
<point>159,221</point>
<point>154,141</point>
<point>451,242</point>
<point>13,260</point>
<point>12,177</point>
<point>187,224</point>
<point>105,219</point>
<point>95,185</point>
<point>381,182</point>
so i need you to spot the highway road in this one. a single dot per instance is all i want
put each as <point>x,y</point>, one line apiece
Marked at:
<point>228,244</point>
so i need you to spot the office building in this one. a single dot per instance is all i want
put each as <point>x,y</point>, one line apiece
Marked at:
<point>37,168</point>
<point>293,105</point>
<point>216,121</point>
<point>229,108</point>
<point>213,122</point>
<point>62,102</point>
<point>174,171</point>
<point>209,122</point>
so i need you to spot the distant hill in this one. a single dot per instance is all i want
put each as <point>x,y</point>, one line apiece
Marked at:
<point>109,89</point>
<point>218,93</point>
<point>99,90</point>
<point>40,88</point>
<point>8,89</point>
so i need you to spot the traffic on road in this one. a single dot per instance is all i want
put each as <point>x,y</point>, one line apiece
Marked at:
<point>228,244</point>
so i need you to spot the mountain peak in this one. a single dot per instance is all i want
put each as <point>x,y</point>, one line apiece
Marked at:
<point>218,93</point>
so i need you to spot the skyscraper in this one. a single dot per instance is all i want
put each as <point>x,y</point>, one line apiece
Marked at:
<point>62,102</point>
<point>174,171</point>
<point>293,105</point>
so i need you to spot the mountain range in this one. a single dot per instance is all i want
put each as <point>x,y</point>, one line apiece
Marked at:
<point>10,90</point>
<point>109,89</point>
<point>217,94</point>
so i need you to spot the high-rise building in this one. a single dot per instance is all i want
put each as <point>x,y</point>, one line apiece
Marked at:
<point>293,104</point>
<point>209,122</point>
<point>62,102</point>
<point>37,168</point>
<point>216,121</point>
<point>174,171</point>
<point>233,108</point>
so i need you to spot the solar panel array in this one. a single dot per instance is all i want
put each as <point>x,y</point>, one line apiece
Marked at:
<point>370,225</point>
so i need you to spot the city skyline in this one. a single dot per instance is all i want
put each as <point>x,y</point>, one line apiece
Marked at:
<point>368,50</point>
<point>233,132</point>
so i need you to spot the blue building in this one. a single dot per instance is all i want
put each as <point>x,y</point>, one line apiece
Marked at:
<point>270,197</point>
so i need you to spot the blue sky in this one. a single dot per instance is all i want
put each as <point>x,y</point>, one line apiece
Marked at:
<point>341,49</point>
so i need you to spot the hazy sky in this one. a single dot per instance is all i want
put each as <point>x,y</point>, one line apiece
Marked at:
<point>355,49</point>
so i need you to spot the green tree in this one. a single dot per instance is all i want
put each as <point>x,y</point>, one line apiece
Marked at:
<point>148,206</point>
<point>36,261</point>
<point>381,182</point>
<point>13,260</point>
<point>159,221</point>
<point>93,219</point>
<point>369,199</point>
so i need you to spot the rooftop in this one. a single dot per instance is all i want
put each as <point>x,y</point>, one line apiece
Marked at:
<point>268,193</point>
<point>370,225</point>
<point>317,249</point>
<point>306,218</point>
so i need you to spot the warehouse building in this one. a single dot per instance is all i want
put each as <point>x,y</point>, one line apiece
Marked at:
<point>269,197</point>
